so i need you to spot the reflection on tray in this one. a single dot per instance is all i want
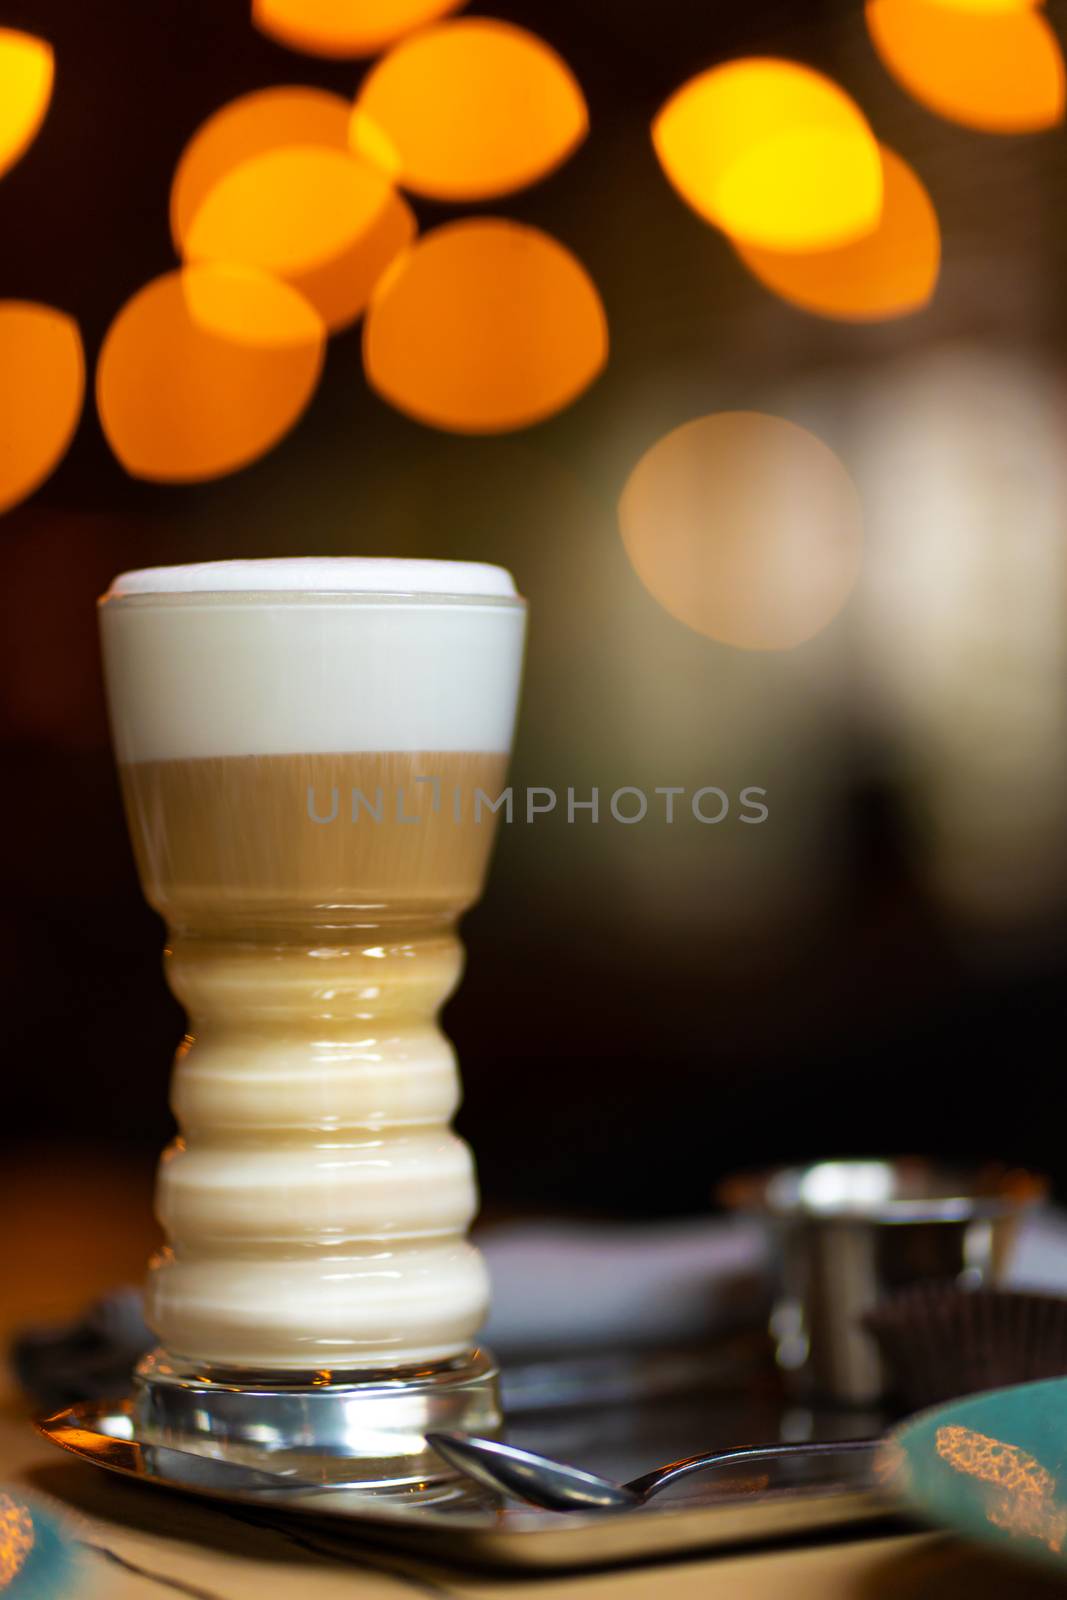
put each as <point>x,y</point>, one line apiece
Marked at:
<point>454,1521</point>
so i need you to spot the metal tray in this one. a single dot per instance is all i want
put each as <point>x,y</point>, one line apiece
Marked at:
<point>455,1523</point>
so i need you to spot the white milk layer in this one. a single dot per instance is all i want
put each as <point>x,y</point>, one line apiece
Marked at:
<point>318,656</point>
<point>317,1202</point>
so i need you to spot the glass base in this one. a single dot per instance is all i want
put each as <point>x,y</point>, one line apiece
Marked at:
<point>328,1427</point>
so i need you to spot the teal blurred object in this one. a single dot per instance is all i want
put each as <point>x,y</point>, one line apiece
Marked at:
<point>991,1467</point>
<point>39,1558</point>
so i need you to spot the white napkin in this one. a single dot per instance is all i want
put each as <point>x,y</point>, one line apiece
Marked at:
<point>573,1285</point>
<point>1039,1259</point>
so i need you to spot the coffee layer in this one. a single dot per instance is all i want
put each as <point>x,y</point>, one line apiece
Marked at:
<point>308,838</point>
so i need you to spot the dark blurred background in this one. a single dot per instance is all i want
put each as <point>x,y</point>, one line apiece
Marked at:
<point>880,966</point>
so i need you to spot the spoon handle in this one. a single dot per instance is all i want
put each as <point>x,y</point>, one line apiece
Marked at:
<point>652,1482</point>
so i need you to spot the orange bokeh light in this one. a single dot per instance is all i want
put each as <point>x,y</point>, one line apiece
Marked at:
<point>484,326</point>
<point>267,119</point>
<point>326,221</point>
<point>471,109</point>
<point>204,370</point>
<point>989,5</point>
<point>745,527</point>
<point>773,153</point>
<point>27,72</point>
<point>1000,71</point>
<point>345,28</point>
<point>42,387</point>
<point>891,272</point>
<point>269,182</point>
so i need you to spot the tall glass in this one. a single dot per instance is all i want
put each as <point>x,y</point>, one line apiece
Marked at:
<point>310,753</point>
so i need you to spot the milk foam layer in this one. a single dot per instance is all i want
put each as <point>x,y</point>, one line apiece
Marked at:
<point>320,575</point>
<point>235,671</point>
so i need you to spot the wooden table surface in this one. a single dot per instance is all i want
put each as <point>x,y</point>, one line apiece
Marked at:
<point>139,1543</point>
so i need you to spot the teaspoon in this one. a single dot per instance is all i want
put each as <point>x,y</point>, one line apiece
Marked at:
<point>554,1486</point>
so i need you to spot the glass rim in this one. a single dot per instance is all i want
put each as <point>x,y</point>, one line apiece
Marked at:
<point>222,599</point>
<point>404,576</point>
